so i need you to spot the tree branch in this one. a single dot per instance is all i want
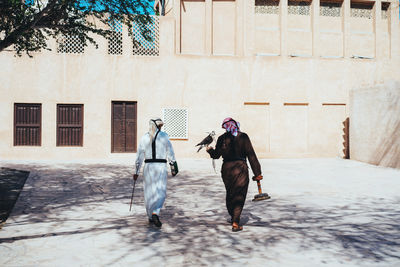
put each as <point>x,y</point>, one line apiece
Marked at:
<point>23,28</point>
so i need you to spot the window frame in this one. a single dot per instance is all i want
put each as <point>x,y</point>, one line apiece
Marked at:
<point>59,125</point>
<point>31,125</point>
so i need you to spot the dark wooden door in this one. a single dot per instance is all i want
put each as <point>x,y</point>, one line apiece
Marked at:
<point>124,126</point>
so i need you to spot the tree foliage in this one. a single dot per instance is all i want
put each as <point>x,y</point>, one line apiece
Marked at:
<point>29,24</point>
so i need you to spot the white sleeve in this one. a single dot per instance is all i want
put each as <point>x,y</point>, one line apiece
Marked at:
<point>140,156</point>
<point>170,151</point>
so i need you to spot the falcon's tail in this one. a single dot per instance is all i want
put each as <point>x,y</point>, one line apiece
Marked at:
<point>199,148</point>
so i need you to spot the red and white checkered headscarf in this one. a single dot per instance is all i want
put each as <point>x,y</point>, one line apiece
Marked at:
<point>232,126</point>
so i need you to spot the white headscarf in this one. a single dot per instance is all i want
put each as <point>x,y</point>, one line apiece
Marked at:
<point>154,125</point>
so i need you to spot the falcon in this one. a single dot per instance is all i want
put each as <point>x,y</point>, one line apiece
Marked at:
<point>206,141</point>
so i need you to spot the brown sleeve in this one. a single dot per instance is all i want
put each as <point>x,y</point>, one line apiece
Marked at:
<point>216,153</point>
<point>252,157</point>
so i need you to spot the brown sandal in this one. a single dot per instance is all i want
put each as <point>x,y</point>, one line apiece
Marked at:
<point>236,227</point>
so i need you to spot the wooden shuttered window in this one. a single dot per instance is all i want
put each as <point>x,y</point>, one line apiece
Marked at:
<point>69,125</point>
<point>124,126</point>
<point>27,124</point>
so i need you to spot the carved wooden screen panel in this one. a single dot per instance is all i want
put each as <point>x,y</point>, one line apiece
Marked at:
<point>69,125</point>
<point>27,124</point>
<point>70,44</point>
<point>176,122</point>
<point>147,44</point>
<point>115,40</point>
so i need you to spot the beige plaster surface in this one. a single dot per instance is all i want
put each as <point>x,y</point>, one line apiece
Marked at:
<point>375,125</point>
<point>309,66</point>
<point>223,85</point>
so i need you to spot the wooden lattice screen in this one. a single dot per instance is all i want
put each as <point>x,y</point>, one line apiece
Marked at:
<point>69,125</point>
<point>27,124</point>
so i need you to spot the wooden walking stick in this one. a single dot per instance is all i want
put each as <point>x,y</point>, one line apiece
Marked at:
<point>133,190</point>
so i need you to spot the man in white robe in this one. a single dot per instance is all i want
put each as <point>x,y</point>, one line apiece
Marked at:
<point>155,150</point>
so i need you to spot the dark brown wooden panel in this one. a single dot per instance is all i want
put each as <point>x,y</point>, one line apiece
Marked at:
<point>130,131</point>
<point>118,131</point>
<point>27,124</point>
<point>69,125</point>
<point>123,121</point>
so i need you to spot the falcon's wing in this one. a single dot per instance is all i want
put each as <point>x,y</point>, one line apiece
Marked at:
<point>205,141</point>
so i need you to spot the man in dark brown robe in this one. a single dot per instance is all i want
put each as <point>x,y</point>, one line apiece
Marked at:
<point>235,147</point>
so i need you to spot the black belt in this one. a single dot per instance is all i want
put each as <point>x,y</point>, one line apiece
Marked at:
<point>155,160</point>
<point>237,159</point>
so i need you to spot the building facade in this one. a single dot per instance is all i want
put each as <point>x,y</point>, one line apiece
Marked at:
<point>283,69</point>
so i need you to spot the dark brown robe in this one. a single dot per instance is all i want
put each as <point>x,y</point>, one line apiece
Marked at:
<point>235,150</point>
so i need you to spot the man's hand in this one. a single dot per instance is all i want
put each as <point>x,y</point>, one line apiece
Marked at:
<point>257,178</point>
<point>208,148</point>
<point>135,176</point>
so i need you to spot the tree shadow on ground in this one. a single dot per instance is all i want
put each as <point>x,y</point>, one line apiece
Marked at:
<point>11,183</point>
<point>88,200</point>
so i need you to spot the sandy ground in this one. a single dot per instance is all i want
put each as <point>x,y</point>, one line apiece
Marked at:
<point>323,212</point>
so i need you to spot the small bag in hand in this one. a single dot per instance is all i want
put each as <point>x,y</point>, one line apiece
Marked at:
<point>174,168</point>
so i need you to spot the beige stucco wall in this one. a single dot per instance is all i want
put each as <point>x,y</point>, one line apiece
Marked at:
<point>290,106</point>
<point>375,124</point>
